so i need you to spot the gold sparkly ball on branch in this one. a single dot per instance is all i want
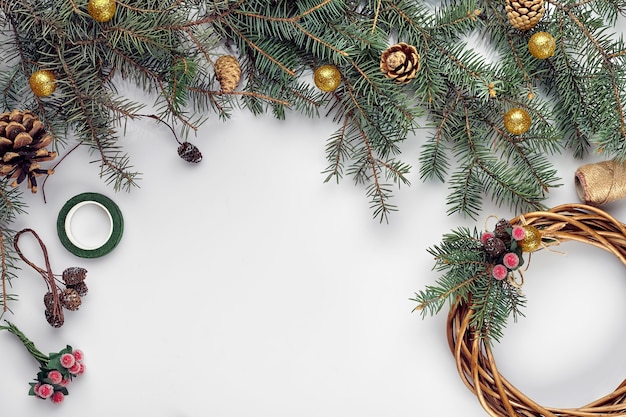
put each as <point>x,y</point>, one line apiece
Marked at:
<point>517,121</point>
<point>532,239</point>
<point>43,83</point>
<point>327,78</point>
<point>541,45</point>
<point>101,10</point>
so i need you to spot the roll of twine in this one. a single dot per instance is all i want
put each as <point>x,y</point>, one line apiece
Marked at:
<point>601,183</point>
<point>474,358</point>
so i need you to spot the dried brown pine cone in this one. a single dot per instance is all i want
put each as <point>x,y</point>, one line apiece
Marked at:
<point>70,299</point>
<point>23,142</point>
<point>73,275</point>
<point>494,247</point>
<point>81,288</point>
<point>227,72</point>
<point>55,320</point>
<point>524,14</point>
<point>189,152</point>
<point>400,62</point>
<point>48,300</point>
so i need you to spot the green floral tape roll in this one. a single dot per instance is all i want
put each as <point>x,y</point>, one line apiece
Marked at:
<point>64,225</point>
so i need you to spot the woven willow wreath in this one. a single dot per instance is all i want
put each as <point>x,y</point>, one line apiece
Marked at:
<point>481,299</point>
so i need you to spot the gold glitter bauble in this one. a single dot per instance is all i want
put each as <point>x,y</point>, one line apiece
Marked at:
<point>43,83</point>
<point>532,240</point>
<point>101,10</point>
<point>517,121</point>
<point>541,45</point>
<point>327,78</point>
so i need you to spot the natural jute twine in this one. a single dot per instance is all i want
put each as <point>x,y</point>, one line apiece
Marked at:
<point>601,183</point>
<point>474,359</point>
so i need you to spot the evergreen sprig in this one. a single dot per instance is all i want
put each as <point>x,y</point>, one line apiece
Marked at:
<point>466,277</point>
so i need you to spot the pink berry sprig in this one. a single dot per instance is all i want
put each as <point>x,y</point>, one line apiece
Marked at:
<point>502,248</point>
<point>56,370</point>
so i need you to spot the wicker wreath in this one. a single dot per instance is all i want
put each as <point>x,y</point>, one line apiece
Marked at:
<point>472,349</point>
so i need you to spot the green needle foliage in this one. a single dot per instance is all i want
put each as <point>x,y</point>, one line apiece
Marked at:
<point>168,49</point>
<point>466,277</point>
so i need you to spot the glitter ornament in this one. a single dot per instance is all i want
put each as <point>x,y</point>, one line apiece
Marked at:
<point>532,239</point>
<point>541,45</point>
<point>517,121</point>
<point>43,83</point>
<point>101,10</point>
<point>327,78</point>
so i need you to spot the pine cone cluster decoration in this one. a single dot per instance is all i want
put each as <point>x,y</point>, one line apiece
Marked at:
<point>69,298</point>
<point>400,62</point>
<point>524,14</point>
<point>23,142</point>
<point>227,72</point>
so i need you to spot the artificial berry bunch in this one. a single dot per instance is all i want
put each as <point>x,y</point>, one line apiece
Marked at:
<point>56,370</point>
<point>55,374</point>
<point>504,246</point>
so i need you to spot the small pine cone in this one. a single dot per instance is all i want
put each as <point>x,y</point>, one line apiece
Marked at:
<point>55,320</point>
<point>23,142</point>
<point>73,275</point>
<point>48,300</point>
<point>400,62</point>
<point>228,72</point>
<point>81,288</point>
<point>494,247</point>
<point>189,152</point>
<point>524,14</point>
<point>502,230</point>
<point>70,299</point>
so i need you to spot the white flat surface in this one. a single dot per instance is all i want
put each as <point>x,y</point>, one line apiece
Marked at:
<point>245,286</point>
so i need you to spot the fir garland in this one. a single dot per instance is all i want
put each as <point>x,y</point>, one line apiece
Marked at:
<point>169,48</point>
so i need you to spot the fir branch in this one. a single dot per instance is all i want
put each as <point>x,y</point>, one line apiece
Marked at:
<point>467,278</point>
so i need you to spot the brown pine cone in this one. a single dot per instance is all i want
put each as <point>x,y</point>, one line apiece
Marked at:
<point>189,152</point>
<point>228,72</point>
<point>23,142</point>
<point>501,230</point>
<point>494,247</point>
<point>524,14</point>
<point>81,288</point>
<point>400,62</point>
<point>55,320</point>
<point>48,300</point>
<point>74,275</point>
<point>70,299</point>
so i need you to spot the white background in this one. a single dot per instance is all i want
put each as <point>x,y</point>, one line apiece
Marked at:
<point>245,286</point>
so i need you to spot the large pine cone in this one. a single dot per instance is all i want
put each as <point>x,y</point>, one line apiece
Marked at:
<point>524,14</point>
<point>227,72</point>
<point>23,142</point>
<point>400,62</point>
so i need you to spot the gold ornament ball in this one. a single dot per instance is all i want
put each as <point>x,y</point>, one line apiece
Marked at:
<point>327,78</point>
<point>101,10</point>
<point>517,121</point>
<point>43,83</point>
<point>541,45</point>
<point>532,239</point>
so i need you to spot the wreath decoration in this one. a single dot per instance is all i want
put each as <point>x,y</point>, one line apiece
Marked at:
<point>482,296</point>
